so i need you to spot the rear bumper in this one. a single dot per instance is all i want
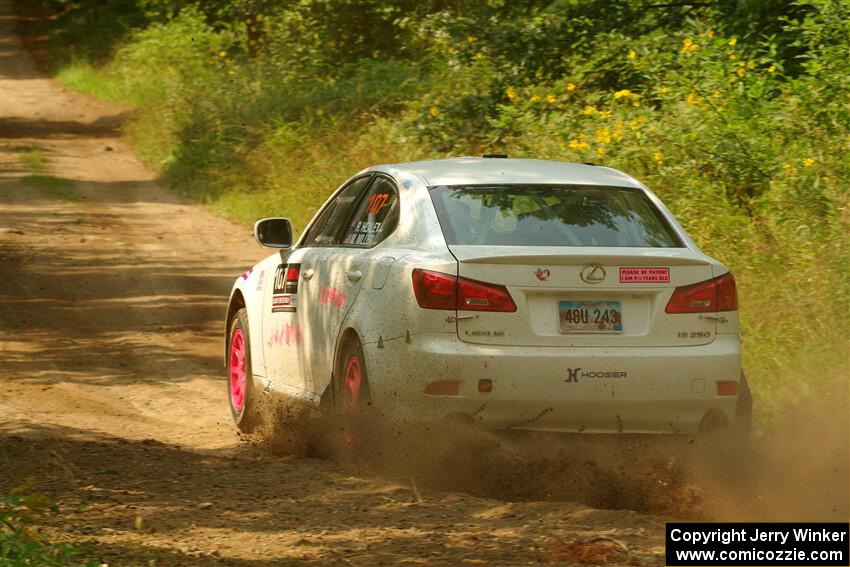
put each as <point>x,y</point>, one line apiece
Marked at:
<point>627,390</point>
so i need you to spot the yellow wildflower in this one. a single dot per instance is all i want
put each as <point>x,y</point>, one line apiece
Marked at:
<point>570,87</point>
<point>808,162</point>
<point>659,157</point>
<point>633,124</point>
<point>434,111</point>
<point>625,93</point>
<point>511,94</point>
<point>602,135</point>
<point>222,54</point>
<point>741,71</point>
<point>579,144</point>
<point>751,64</point>
<point>693,98</point>
<point>471,39</point>
<point>733,41</point>
<point>632,54</point>
<point>600,152</point>
<point>663,90</point>
<point>478,56</point>
<point>787,167</point>
<point>605,115</point>
<point>551,99</point>
<point>589,110</point>
<point>710,34</point>
<point>535,98</point>
<point>688,46</point>
<point>771,69</point>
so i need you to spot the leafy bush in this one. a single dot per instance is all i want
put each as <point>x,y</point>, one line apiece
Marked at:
<point>21,543</point>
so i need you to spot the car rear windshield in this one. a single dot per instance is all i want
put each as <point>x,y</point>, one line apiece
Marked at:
<point>551,215</point>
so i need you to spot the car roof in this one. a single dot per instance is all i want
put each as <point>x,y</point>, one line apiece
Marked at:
<point>485,171</point>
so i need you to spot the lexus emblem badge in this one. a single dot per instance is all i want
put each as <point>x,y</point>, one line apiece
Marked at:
<point>592,274</point>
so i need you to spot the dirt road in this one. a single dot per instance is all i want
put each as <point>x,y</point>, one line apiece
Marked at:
<point>112,393</point>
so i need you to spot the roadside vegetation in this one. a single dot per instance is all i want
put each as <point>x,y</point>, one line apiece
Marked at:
<point>37,163</point>
<point>736,113</point>
<point>22,543</point>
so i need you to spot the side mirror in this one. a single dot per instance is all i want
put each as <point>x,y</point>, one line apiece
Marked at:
<point>274,232</point>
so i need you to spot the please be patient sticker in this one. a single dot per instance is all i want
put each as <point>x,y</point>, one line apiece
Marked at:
<point>644,275</point>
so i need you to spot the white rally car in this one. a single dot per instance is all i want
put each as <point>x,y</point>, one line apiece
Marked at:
<point>515,294</point>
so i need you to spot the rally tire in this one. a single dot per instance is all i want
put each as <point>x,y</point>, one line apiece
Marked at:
<point>353,418</point>
<point>241,391</point>
<point>352,388</point>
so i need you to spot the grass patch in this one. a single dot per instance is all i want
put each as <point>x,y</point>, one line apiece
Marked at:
<point>34,159</point>
<point>82,76</point>
<point>50,186</point>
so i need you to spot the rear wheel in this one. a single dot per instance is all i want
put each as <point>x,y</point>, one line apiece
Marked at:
<point>354,381</point>
<point>352,396</point>
<point>240,382</point>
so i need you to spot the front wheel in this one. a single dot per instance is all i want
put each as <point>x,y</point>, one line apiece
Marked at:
<point>240,382</point>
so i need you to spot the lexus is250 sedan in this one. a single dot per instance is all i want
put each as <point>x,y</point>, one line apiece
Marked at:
<point>512,293</point>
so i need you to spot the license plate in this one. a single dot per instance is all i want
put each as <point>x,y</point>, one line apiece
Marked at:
<point>590,317</point>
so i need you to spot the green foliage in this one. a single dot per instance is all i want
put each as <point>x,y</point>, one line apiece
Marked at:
<point>51,186</point>
<point>21,543</point>
<point>735,113</point>
<point>34,159</point>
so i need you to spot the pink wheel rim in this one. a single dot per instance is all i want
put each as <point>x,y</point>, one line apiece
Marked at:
<point>238,377</point>
<point>353,379</point>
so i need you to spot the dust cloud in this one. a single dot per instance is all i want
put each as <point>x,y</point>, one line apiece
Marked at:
<point>798,469</point>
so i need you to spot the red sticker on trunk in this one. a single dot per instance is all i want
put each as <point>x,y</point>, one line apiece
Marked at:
<point>644,275</point>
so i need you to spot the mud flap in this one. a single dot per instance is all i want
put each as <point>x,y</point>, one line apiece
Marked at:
<point>744,408</point>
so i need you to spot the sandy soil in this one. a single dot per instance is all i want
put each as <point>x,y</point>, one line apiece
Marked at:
<point>113,398</point>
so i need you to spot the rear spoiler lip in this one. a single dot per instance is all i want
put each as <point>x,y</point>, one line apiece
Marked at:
<point>578,256</point>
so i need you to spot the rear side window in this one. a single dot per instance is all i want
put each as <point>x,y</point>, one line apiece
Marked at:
<point>327,229</point>
<point>376,216</point>
<point>551,215</point>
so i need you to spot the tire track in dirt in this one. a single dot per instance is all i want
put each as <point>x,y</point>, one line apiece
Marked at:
<point>112,396</point>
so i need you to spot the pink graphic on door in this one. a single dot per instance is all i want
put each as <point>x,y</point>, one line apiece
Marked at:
<point>284,334</point>
<point>332,296</point>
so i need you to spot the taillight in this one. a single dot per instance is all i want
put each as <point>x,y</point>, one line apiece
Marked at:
<point>716,294</point>
<point>480,296</point>
<point>435,290</point>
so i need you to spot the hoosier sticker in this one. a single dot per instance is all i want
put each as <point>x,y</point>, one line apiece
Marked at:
<point>644,275</point>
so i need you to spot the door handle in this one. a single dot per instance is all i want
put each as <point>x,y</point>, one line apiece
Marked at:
<point>354,276</point>
<point>307,274</point>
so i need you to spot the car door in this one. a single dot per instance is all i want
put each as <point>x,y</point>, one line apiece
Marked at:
<point>341,270</point>
<point>292,310</point>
